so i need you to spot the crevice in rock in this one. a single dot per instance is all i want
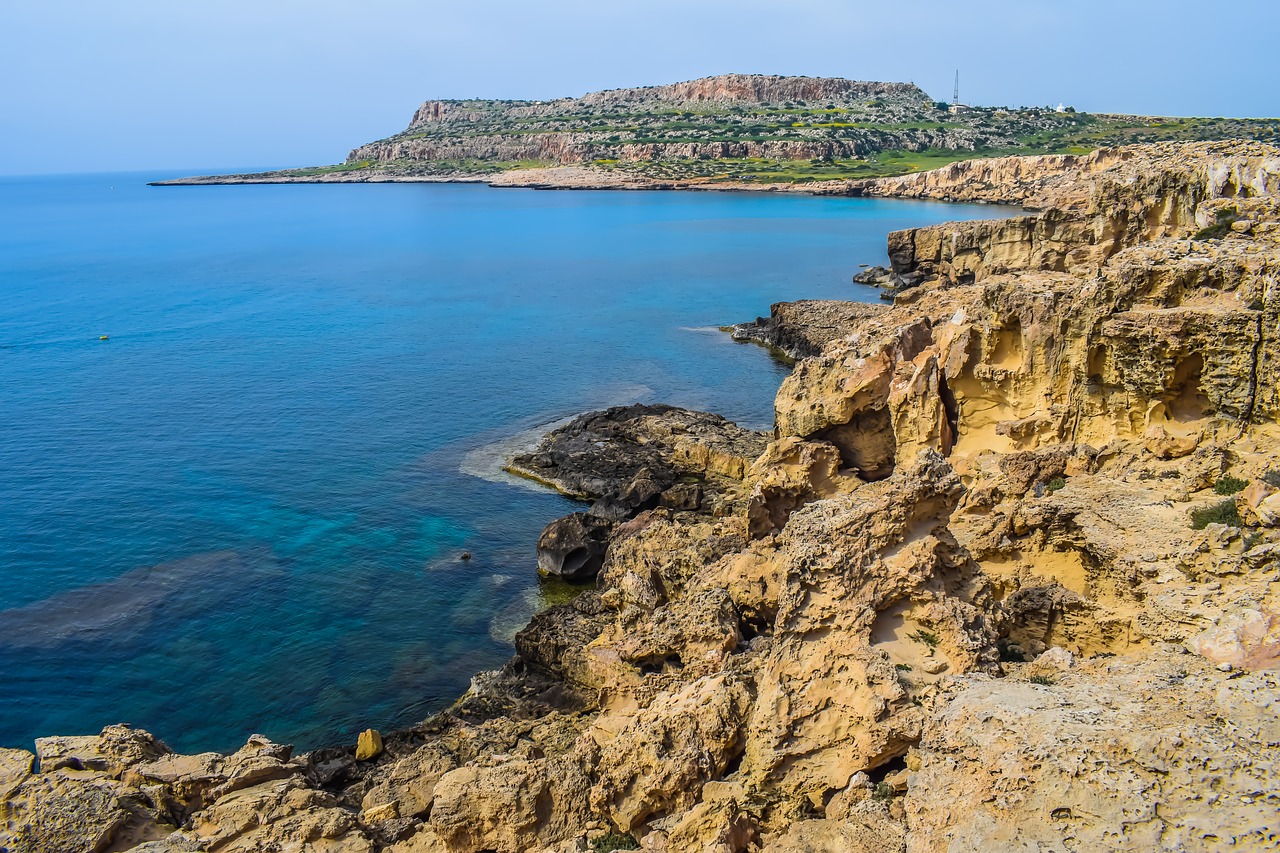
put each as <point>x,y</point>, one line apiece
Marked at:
<point>951,408</point>
<point>1254,358</point>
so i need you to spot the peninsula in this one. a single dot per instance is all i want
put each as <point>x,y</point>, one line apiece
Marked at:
<point>731,131</point>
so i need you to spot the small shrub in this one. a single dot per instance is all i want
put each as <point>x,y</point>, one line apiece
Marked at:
<point>1042,680</point>
<point>1055,484</point>
<point>1219,229</point>
<point>925,638</point>
<point>902,667</point>
<point>1272,478</point>
<point>1229,485</point>
<point>614,841</point>
<point>883,792</point>
<point>1223,512</point>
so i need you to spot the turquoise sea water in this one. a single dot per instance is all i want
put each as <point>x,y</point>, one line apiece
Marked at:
<point>243,512</point>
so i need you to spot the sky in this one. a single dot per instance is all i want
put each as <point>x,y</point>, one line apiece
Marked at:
<point>165,85</point>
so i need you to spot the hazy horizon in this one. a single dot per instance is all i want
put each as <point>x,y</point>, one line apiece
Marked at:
<point>151,86</point>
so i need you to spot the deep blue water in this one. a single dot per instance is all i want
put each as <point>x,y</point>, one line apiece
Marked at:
<point>243,512</point>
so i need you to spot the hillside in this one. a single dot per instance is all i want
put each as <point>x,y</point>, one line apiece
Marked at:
<point>739,129</point>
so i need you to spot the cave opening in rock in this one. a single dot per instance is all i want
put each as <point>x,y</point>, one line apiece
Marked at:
<point>867,443</point>
<point>1008,349</point>
<point>1097,363</point>
<point>895,764</point>
<point>575,561</point>
<point>1184,400</point>
<point>752,625</point>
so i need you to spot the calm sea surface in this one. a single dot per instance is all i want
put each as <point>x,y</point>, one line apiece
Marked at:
<point>244,511</point>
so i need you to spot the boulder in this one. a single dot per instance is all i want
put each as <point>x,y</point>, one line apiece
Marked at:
<point>573,547</point>
<point>369,745</point>
<point>1249,639</point>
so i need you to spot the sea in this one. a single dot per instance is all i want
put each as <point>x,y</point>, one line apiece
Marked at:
<point>248,432</point>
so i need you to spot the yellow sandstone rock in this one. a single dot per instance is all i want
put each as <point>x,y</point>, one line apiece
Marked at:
<point>369,745</point>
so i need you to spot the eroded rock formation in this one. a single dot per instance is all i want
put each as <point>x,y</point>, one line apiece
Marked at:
<point>1003,577</point>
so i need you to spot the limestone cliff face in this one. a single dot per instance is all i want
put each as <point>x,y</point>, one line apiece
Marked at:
<point>1095,205</point>
<point>1003,577</point>
<point>1172,174</point>
<point>563,148</point>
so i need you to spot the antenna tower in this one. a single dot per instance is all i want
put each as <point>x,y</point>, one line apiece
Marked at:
<point>955,95</point>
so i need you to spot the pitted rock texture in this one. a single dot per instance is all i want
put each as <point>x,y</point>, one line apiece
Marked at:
<point>1157,753</point>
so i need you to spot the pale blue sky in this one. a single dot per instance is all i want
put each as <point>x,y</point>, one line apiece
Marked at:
<point>96,85</point>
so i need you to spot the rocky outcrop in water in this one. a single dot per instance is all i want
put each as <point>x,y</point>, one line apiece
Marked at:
<point>799,330</point>
<point>1003,577</point>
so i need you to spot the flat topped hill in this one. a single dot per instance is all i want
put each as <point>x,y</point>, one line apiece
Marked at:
<point>726,89</point>
<point>739,129</point>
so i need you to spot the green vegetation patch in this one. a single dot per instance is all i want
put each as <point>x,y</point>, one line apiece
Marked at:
<point>924,638</point>
<point>1229,485</point>
<point>1223,512</point>
<point>614,841</point>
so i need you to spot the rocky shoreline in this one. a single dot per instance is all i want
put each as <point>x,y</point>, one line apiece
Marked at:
<point>1004,575</point>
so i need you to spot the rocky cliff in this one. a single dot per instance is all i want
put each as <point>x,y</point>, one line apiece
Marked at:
<point>729,116</point>
<point>1004,576</point>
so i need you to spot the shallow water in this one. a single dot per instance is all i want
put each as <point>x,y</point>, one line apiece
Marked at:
<point>243,512</point>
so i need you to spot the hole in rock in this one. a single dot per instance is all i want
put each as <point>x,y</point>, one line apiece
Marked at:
<point>867,443</point>
<point>895,764</point>
<point>575,560</point>
<point>659,663</point>
<point>1008,351</point>
<point>753,625</point>
<point>734,765</point>
<point>1184,400</point>
<point>1097,363</point>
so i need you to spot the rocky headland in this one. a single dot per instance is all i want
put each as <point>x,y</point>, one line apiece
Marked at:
<point>1003,576</point>
<point>732,131</point>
